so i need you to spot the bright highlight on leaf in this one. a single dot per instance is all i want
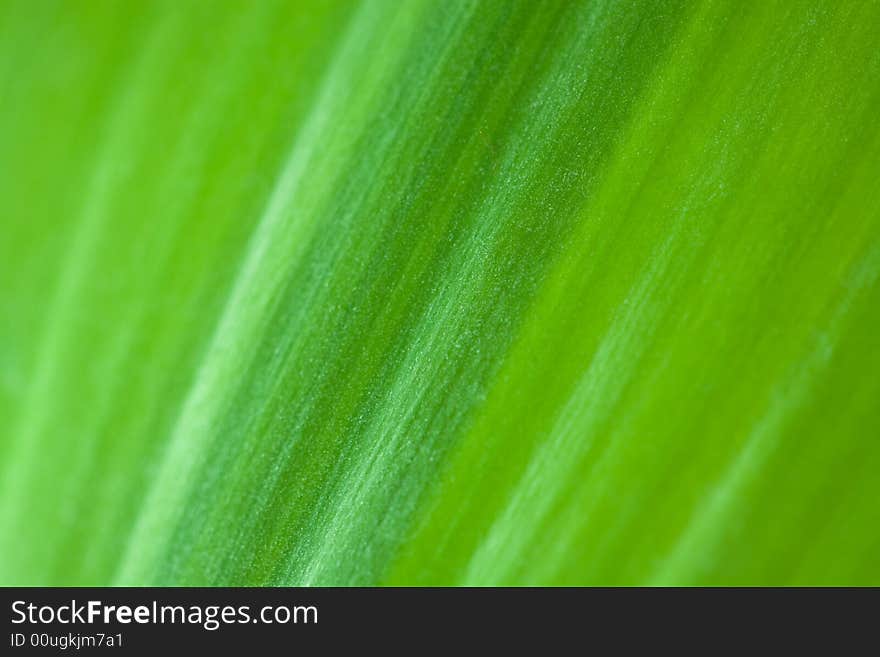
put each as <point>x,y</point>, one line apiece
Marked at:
<point>439,292</point>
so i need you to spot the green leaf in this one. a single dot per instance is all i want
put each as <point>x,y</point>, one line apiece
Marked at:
<point>439,292</point>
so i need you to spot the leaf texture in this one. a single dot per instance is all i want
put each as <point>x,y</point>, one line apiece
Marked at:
<point>431,292</point>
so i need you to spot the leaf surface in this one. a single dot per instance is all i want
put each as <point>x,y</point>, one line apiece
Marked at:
<point>439,292</point>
